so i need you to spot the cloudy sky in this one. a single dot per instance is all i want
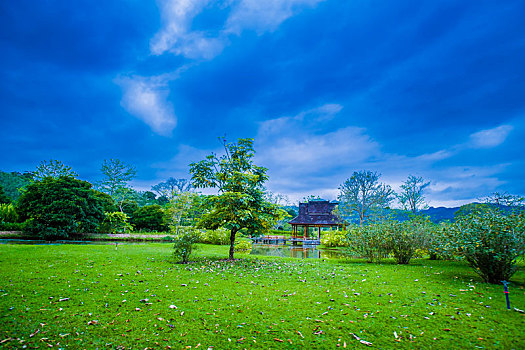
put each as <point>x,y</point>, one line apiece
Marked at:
<point>430,88</point>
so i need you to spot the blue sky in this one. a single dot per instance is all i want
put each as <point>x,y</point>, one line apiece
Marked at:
<point>429,88</point>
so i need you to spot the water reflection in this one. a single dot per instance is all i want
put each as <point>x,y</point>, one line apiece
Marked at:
<point>301,252</point>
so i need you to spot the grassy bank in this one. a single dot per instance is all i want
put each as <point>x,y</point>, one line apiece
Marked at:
<point>136,296</point>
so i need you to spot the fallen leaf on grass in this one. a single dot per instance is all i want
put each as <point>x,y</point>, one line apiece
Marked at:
<point>279,340</point>
<point>361,340</point>
<point>300,334</point>
<point>92,322</point>
<point>33,334</point>
<point>63,299</point>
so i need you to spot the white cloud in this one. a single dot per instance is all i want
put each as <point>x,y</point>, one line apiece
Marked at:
<point>491,137</point>
<point>146,99</point>
<point>176,35</point>
<point>263,16</point>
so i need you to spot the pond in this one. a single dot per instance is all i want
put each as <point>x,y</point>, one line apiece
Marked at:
<point>302,252</point>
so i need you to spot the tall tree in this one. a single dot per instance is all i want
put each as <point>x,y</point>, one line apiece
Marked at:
<point>116,174</point>
<point>411,196</point>
<point>52,168</point>
<point>240,200</point>
<point>363,194</point>
<point>172,187</point>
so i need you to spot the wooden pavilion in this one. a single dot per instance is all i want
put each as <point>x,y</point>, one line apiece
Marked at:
<point>314,214</point>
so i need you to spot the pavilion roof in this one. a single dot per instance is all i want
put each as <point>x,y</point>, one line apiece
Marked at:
<point>318,212</point>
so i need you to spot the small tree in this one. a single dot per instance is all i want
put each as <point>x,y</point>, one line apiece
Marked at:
<point>52,168</point>
<point>411,196</point>
<point>362,194</point>
<point>116,222</point>
<point>184,243</point>
<point>240,200</point>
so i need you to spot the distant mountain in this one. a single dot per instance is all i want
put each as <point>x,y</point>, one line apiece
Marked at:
<point>440,213</point>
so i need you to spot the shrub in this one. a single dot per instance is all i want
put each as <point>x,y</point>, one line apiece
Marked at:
<point>184,243</point>
<point>150,218</point>
<point>116,222</point>
<point>408,237</point>
<point>438,242</point>
<point>369,241</point>
<point>490,240</point>
<point>219,236</point>
<point>334,238</point>
<point>8,213</point>
<point>243,245</point>
<point>12,226</point>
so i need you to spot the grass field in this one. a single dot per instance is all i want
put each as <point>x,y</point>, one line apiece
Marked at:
<point>94,296</point>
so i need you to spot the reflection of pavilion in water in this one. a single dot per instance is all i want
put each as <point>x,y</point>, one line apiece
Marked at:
<point>307,252</point>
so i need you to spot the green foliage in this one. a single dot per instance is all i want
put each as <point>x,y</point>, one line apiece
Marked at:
<point>128,206</point>
<point>13,183</point>
<point>334,238</point>
<point>490,240</point>
<point>369,241</point>
<point>184,209</point>
<point>3,196</point>
<point>59,207</point>
<point>107,202</point>
<point>240,202</point>
<point>8,213</point>
<point>403,240</point>
<point>12,226</point>
<point>150,218</point>
<point>52,168</point>
<point>183,244</point>
<point>408,237</point>
<point>243,245</point>
<point>116,222</point>
<point>220,236</point>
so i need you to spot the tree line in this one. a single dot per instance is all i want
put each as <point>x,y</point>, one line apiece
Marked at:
<point>51,203</point>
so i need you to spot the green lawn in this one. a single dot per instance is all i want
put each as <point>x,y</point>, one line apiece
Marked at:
<point>89,296</point>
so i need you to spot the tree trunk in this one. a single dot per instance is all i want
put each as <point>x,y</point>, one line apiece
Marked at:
<point>233,231</point>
